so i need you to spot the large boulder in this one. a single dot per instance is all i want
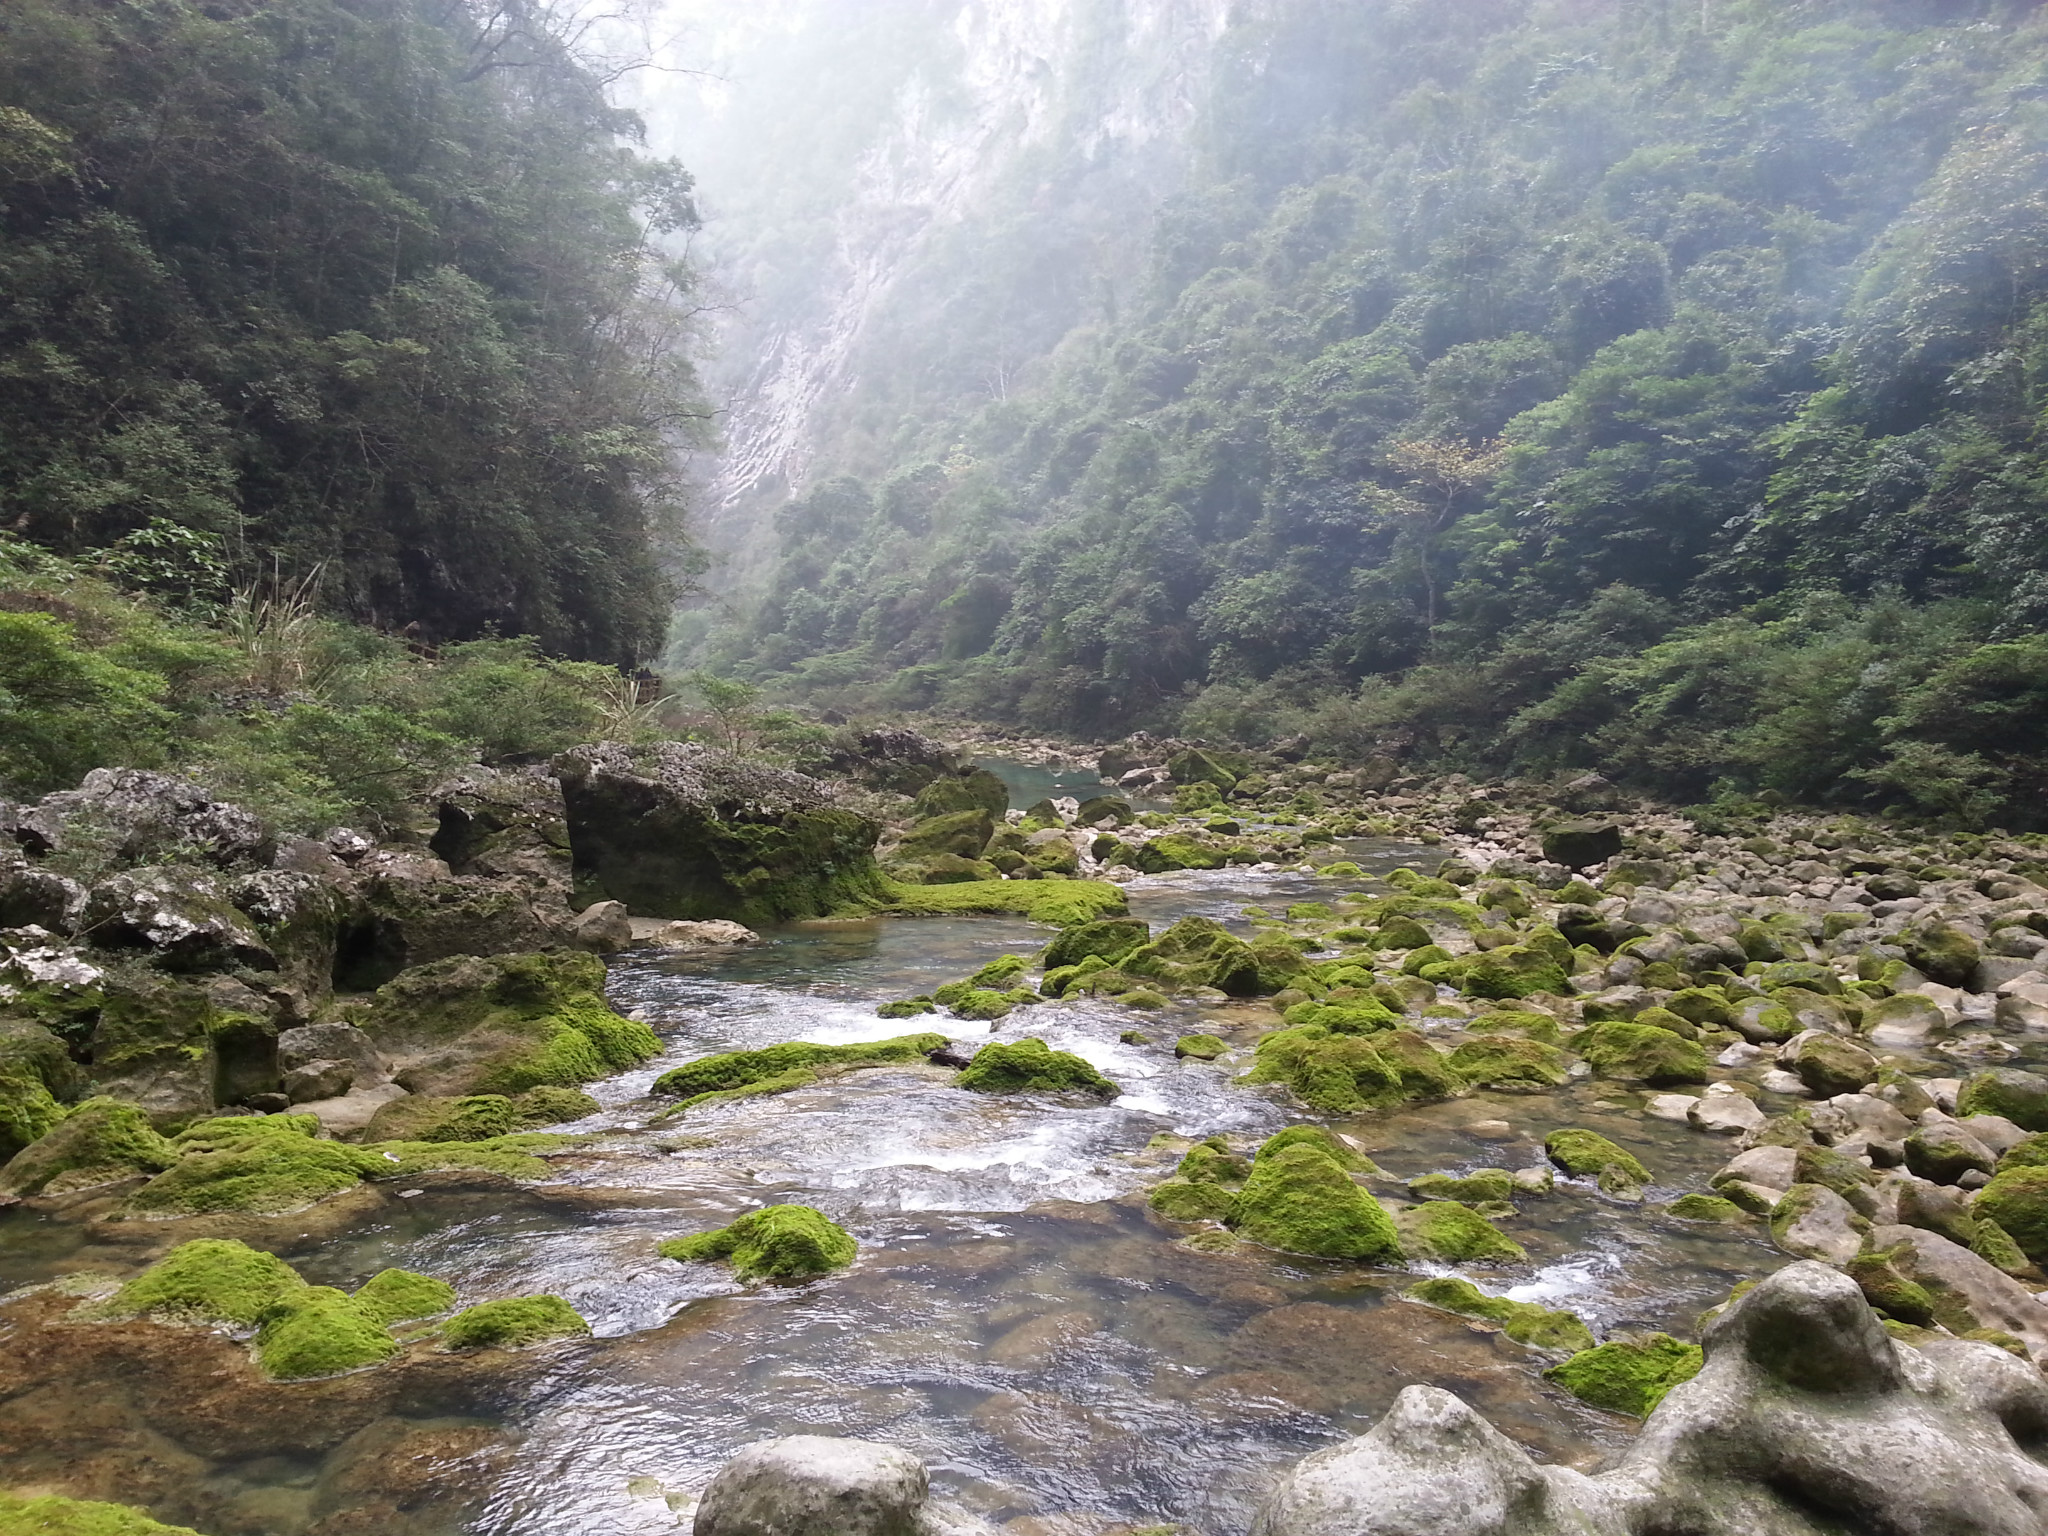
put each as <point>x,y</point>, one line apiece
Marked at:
<point>969,790</point>
<point>34,897</point>
<point>503,824</point>
<point>179,917</point>
<point>811,1485</point>
<point>1581,844</point>
<point>680,830</point>
<point>892,758</point>
<point>180,1046</point>
<point>133,816</point>
<point>1806,1420</point>
<point>1197,952</point>
<point>412,909</point>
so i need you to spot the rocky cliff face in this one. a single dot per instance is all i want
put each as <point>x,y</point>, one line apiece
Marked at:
<point>893,241</point>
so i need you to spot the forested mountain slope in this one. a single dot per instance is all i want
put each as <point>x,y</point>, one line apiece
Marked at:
<point>367,287</point>
<point>1517,383</point>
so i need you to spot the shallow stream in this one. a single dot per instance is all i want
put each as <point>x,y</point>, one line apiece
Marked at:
<point>1015,1317</point>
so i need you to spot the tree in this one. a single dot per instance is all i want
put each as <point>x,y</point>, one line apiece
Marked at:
<point>1442,474</point>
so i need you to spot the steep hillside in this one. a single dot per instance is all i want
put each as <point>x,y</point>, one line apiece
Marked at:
<point>1520,384</point>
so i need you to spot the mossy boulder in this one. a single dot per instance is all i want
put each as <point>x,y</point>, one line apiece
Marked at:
<point>1521,1321</point>
<point>1060,903</point>
<point>793,1064</point>
<point>961,834</point>
<point>2017,1200</point>
<point>779,1242</point>
<point>1581,844</point>
<point>1450,1232</point>
<point>1212,1162</point>
<point>514,1323</point>
<point>974,789</point>
<point>1108,939</point>
<point>1699,1207</point>
<point>1641,1053</point>
<point>263,1165</point>
<point>1184,1200</point>
<point>1353,1016</point>
<point>1342,1074</point>
<point>100,1142</point>
<point>1194,766</point>
<point>1484,1186</point>
<point>1299,1199</point>
<point>907,1008</point>
<point>1627,1376</point>
<point>503,1024</point>
<point>1031,1066</point>
<point>208,1280</point>
<point>1943,952</point>
<point>1171,851</point>
<point>400,1296</point>
<point>1197,952</point>
<point>1201,1047</point>
<point>2021,1097</point>
<point>1588,1155</point>
<point>1511,971</point>
<point>1828,1064</point>
<point>1702,1006</point>
<point>53,1516</point>
<point>36,1075</point>
<point>424,1117</point>
<point>319,1331</point>
<point>1509,1062</point>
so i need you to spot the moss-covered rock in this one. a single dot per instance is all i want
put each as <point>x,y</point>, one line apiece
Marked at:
<point>1299,1199</point>
<point>264,1165</point>
<point>319,1331</point>
<point>1511,971</point>
<point>907,1008</point>
<point>1354,1016</point>
<point>1702,1006</point>
<point>1324,1140</point>
<point>1212,1162</point>
<point>424,1117</point>
<point>52,1516</point>
<point>1891,1292</point>
<point>1480,1187</point>
<point>1200,1047</point>
<point>1699,1207</point>
<point>1521,1321</point>
<point>1197,952</point>
<point>1942,952</point>
<point>2017,1199</point>
<point>1581,844</point>
<point>793,1064</point>
<point>1629,1376</point>
<point>1509,1062</point>
<point>100,1142</point>
<point>1641,1053</point>
<point>1589,1155</point>
<point>968,790</point>
<point>962,834</point>
<point>2021,1097</point>
<point>1185,1200</point>
<point>1107,939</point>
<point>34,1070</point>
<point>513,1323</point>
<point>208,1280</point>
<point>1171,851</point>
<point>778,1242</point>
<point>1060,903</point>
<point>399,1296</point>
<point>1342,1074</point>
<point>503,1024</point>
<point>1031,1066</point>
<point>1450,1232</point>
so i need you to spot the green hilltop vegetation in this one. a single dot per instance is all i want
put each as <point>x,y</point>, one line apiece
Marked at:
<point>1516,386</point>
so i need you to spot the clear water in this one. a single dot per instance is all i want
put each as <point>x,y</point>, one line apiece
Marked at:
<point>1016,1317</point>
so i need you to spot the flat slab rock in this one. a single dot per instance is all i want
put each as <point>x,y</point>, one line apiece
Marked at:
<point>1807,1420</point>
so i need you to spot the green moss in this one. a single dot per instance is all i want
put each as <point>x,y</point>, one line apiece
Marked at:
<point>1354,1016</point>
<point>1641,1053</point>
<point>1299,1199</point>
<point>1698,1207</point>
<point>1108,940</point>
<point>319,1331</point>
<point>1588,1155</point>
<point>262,1165</point>
<point>907,1008</point>
<point>789,1065</point>
<point>1421,959</point>
<point>1061,903</point>
<point>1486,1184</point>
<point>1995,1246</point>
<point>1452,1233</point>
<point>423,1117</point>
<point>100,1141</point>
<point>1512,971</point>
<point>1521,1321</point>
<point>208,1280</point>
<point>1212,1162</point>
<point>1197,952</point>
<point>1000,974</point>
<point>52,1516</point>
<point>2017,1199</point>
<point>1625,1377</point>
<point>1031,1066</point>
<point>1508,1062</point>
<point>399,1295</point>
<point>1342,1074</point>
<point>28,1110</point>
<point>1891,1292</point>
<point>2021,1097</point>
<point>1201,1047</point>
<point>980,1005</point>
<point>778,1242</point>
<point>1182,1200</point>
<point>513,1323</point>
<point>1944,953</point>
<point>1328,1142</point>
<point>509,1157</point>
<point>1143,997</point>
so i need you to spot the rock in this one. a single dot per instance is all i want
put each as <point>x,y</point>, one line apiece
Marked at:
<point>1772,1167</point>
<point>2021,1097</point>
<point>1943,952</point>
<point>957,834</point>
<point>1995,1131</point>
<point>1935,1207</point>
<point>331,1042</point>
<point>808,1485</point>
<point>680,830</point>
<point>1031,1066</point>
<point>318,1080</point>
<point>1628,1375</point>
<point>1727,1113</point>
<point>1197,952</point>
<point>892,758</point>
<point>1813,1222</point>
<point>139,817</point>
<point>1589,792</point>
<point>2017,1200</point>
<point>1582,844</point>
<point>603,927</point>
<point>1110,939</point>
<point>777,1242</point>
<point>1670,1106</point>
<point>971,789</point>
<point>1300,1199</point>
<point>1806,1419</point>
<point>1589,1155</point>
<point>1905,1022</point>
<point>32,897</point>
<point>1826,1064</point>
<point>1848,1115</point>
<point>414,910</point>
<point>1641,1053</point>
<point>1943,1152</point>
<point>687,935</point>
<point>1968,1292</point>
<point>180,916</point>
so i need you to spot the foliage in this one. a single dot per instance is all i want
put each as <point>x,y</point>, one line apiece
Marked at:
<point>1529,388</point>
<point>375,287</point>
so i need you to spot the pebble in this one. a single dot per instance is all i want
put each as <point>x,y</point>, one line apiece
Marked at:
<point>1490,1130</point>
<point>1777,1081</point>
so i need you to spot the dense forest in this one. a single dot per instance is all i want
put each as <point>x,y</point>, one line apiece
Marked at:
<point>374,289</point>
<point>1519,385</point>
